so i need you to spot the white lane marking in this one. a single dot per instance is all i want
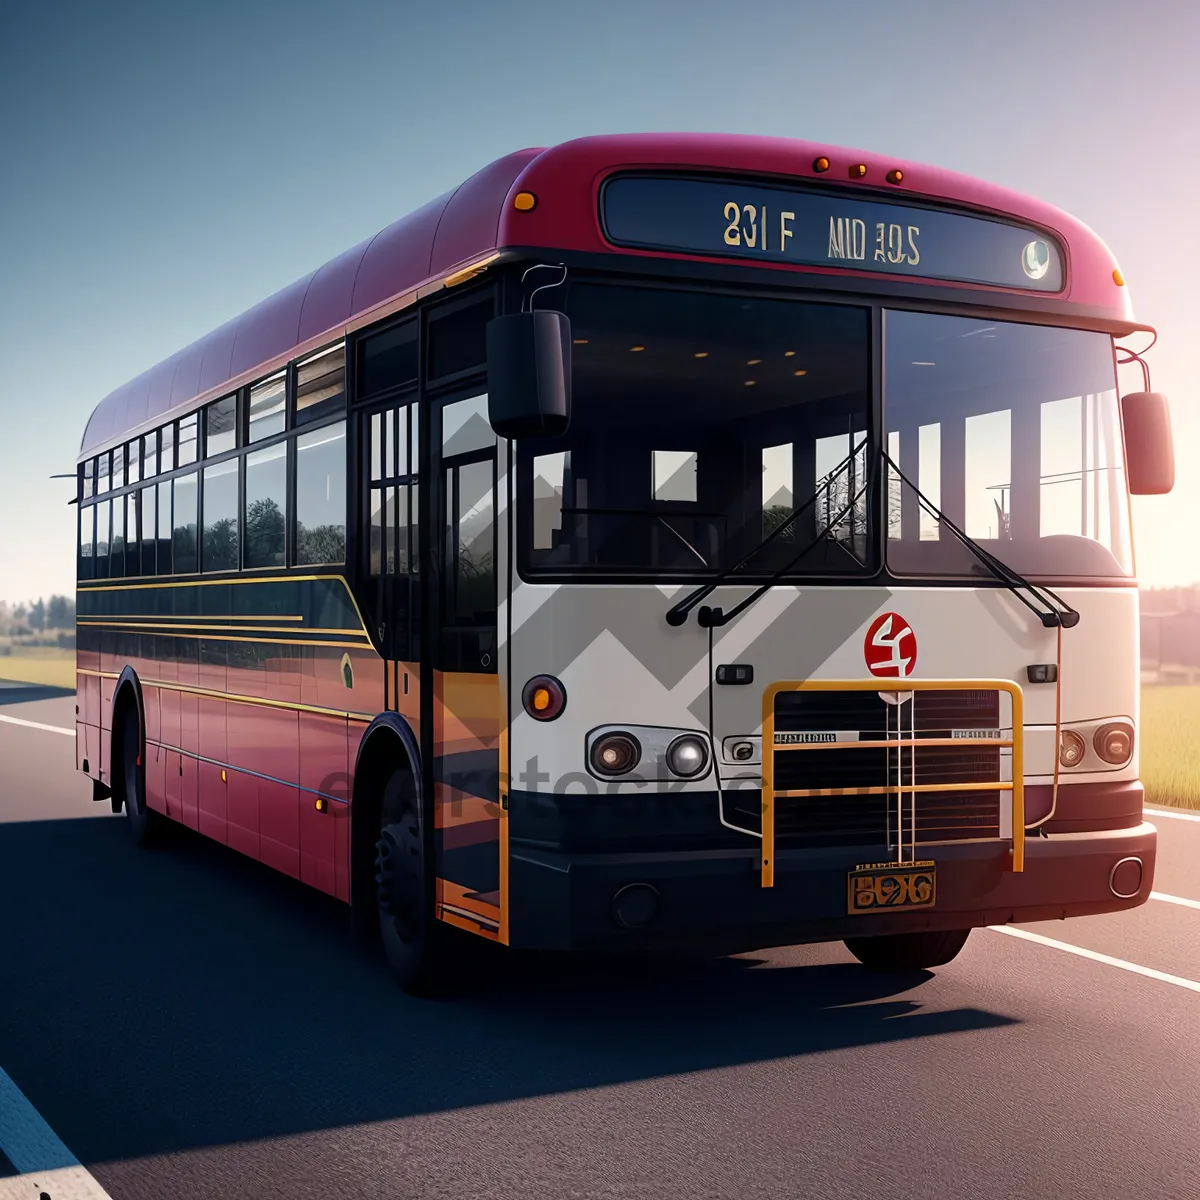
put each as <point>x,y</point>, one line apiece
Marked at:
<point>1095,956</point>
<point>38,725</point>
<point>43,1163</point>
<point>1178,816</point>
<point>1175,899</point>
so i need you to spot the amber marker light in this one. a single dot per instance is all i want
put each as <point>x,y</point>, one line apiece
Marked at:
<point>820,164</point>
<point>895,176</point>
<point>524,201</point>
<point>789,354</point>
<point>544,698</point>
<point>700,354</point>
<point>753,362</point>
<point>858,170</point>
<point>799,372</point>
<point>1118,278</point>
<point>635,349</point>
<point>321,804</point>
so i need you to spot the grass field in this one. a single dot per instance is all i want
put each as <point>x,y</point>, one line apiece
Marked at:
<point>45,665</point>
<point>1170,752</point>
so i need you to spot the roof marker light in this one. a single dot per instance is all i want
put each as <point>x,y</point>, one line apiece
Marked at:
<point>895,176</point>
<point>1118,278</point>
<point>820,164</point>
<point>858,170</point>
<point>524,201</point>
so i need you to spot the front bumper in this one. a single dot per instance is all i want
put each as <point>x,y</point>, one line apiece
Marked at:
<point>713,900</point>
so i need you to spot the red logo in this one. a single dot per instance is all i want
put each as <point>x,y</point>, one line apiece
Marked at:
<point>890,647</point>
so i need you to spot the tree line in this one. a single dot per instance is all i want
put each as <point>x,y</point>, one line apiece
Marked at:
<point>36,616</point>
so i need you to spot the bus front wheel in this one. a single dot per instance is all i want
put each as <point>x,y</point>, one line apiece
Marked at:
<point>414,941</point>
<point>908,951</point>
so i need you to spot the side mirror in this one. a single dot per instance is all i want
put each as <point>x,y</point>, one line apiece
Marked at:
<point>529,374</point>
<point>1149,447</point>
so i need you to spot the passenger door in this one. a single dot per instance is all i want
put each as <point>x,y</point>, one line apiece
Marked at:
<point>468,713</point>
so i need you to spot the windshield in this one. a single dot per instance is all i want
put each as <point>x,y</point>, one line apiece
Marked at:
<point>698,422</point>
<point>1013,432</point>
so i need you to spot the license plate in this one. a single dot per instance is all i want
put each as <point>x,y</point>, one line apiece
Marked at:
<point>891,887</point>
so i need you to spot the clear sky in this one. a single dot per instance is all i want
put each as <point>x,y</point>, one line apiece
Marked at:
<point>164,166</point>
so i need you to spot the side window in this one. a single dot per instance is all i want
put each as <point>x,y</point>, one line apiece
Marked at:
<point>87,542</point>
<point>267,407</point>
<point>220,426</point>
<point>186,448</point>
<point>116,542</point>
<point>149,530</point>
<point>387,360</point>
<point>183,536</point>
<point>320,384</point>
<point>219,544</point>
<point>150,455</point>
<point>89,478</point>
<point>133,536</point>
<point>167,447</point>
<point>458,339</point>
<point>320,505</point>
<point>469,580</point>
<point>163,552</point>
<point>103,537</point>
<point>134,455</point>
<point>265,519</point>
<point>104,466</point>
<point>118,468</point>
<point>392,452</point>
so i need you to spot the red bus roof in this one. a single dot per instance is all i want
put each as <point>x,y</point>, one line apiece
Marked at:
<point>476,220</point>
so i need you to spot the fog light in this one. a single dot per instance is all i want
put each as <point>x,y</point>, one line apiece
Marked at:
<point>1114,743</point>
<point>544,698</point>
<point>687,756</point>
<point>1071,748</point>
<point>615,754</point>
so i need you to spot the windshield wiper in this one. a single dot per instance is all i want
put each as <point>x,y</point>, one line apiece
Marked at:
<point>1053,614</point>
<point>1058,613</point>
<point>677,614</point>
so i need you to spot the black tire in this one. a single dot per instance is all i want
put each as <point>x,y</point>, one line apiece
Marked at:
<point>142,822</point>
<point>417,946</point>
<point>908,951</point>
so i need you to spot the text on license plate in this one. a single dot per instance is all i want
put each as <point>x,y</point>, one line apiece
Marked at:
<point>891,887</point>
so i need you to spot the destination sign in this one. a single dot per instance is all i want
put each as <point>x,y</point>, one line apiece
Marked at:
<point>817,228</point>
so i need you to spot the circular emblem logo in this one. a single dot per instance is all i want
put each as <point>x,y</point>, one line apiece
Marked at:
<point>890,647</point>
<point>1035,259</point>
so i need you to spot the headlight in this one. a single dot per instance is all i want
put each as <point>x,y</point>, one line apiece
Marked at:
<point>687,756</point>
<point>1071,748</point>
<point>1114,743</point>
<point>615,754</point>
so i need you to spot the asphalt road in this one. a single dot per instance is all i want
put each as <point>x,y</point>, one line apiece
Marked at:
<point>193,1025</point>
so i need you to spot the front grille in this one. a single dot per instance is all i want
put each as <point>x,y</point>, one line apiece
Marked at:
<point>839,747</point>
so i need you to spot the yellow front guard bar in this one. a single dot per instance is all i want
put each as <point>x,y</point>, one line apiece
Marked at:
<point>1016,786</point>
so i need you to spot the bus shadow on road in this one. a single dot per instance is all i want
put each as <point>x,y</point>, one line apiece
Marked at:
<point>26,693</point>
<point>221,1002</point>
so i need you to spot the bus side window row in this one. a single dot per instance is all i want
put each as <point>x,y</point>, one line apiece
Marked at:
<point>194,521</point>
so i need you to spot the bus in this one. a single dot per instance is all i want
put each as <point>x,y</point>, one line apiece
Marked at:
<point>657,541</point>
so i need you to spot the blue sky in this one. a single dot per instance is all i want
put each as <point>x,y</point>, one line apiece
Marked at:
<point>164,166</point>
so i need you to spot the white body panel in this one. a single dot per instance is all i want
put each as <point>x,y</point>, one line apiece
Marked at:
<point>621,663</point>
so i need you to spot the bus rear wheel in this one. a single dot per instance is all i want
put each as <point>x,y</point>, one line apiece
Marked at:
<point>142,822</point>
<point>908,951</point>
<point>414,941</point>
